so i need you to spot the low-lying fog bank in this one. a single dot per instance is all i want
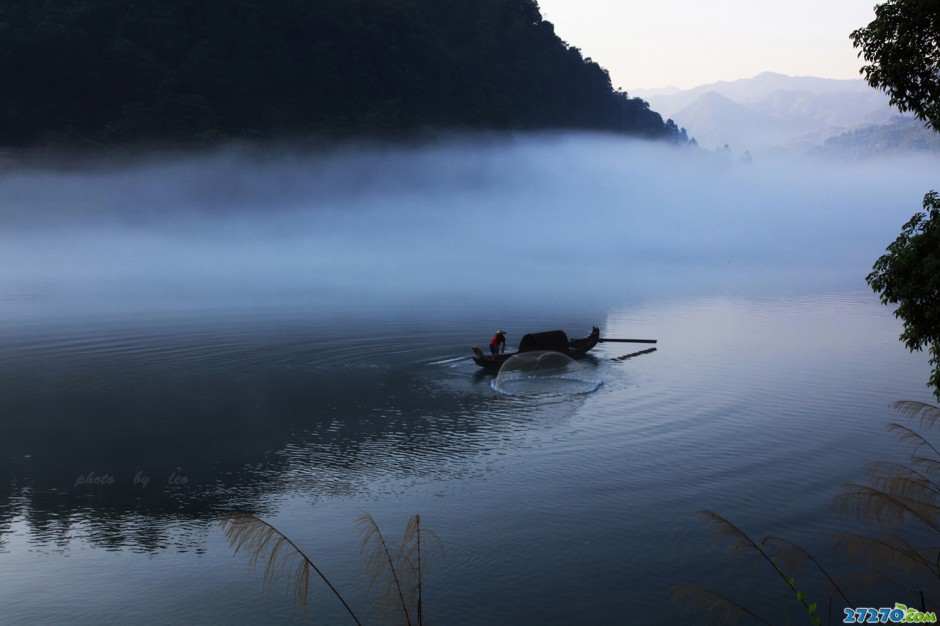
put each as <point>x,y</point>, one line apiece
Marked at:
<point>519,220</point>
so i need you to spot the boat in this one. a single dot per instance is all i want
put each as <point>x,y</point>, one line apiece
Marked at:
<point>552,340</point>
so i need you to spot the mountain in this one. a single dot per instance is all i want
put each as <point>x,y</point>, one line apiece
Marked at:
<point>184,71</point>
<point>716,120</point>
<point>748,90</point>
<point>773,112</point>
<point>902,135</point>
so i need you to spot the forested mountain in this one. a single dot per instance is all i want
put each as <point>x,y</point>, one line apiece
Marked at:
<point>901,135</point>
<point>194,71</point>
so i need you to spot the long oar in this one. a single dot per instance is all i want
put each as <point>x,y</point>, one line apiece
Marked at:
<point>627,340</point>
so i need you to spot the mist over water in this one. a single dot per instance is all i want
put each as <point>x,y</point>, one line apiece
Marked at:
<point>122,291</point>
<point>516,221</point>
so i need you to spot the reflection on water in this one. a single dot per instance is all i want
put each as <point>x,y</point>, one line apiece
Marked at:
<point>135,438</point>
<point>291,335</point>
<point>129,424</point>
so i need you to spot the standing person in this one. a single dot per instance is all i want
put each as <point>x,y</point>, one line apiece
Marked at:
<point>498,343</point>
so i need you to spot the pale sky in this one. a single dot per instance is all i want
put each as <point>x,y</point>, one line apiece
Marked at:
<point>686,43</point>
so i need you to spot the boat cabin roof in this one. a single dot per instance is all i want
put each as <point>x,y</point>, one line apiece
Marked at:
<point>555,340</point>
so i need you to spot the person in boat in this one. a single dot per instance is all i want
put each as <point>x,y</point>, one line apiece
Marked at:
<point>498,343</point>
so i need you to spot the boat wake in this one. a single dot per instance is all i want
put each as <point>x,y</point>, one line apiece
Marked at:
<point>450,361</point>
<point>544,375</point>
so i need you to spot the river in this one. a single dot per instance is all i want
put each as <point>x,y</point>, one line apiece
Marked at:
<point>289,334</point>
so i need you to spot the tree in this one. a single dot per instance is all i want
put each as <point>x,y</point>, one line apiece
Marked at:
<point>178,71</point>
<point>902,47</point>
<point>908,275</point>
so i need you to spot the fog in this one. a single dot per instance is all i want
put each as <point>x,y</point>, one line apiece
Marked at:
<point>511,221</point>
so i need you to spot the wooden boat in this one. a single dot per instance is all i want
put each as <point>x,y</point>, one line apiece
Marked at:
<point>553,340</point>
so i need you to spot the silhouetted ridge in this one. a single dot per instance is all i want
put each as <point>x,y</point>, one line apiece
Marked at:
<point>200,70</point>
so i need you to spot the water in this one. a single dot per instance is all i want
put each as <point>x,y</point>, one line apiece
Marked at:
<point>162,369</point>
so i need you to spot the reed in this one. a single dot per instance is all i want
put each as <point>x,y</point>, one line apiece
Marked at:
<point>401,570</point>
<point>716,607</point>
<point>901,500</point>
<point>720,606</point>
<point>282,557</point>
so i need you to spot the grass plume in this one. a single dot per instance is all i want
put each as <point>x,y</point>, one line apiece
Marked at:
<point>261,541</point>
<point>795,556</point>
<point>927,414</point>
<point>895,496</point>
<point>400,572</point>
<point>740,540</point>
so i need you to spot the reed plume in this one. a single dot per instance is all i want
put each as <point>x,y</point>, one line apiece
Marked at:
<point>263,542</point>
<point>898,495</point>
<point>928,414</point>
<point>719,605</point>
<point>400,574</point>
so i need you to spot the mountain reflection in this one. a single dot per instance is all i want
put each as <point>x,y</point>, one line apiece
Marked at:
<point>141,438</point>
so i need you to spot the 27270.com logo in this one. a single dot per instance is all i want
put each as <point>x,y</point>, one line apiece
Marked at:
<point>900,614</point>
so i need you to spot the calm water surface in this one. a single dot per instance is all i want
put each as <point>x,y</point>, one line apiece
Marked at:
<point>135,414</point>
<point>122,446</point>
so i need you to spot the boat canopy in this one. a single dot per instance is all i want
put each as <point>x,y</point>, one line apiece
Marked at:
<point>555,340</point>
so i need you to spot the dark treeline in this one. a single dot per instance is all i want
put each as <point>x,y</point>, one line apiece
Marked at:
<point>197,71</point>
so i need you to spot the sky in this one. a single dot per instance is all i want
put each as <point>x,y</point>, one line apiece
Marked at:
<point>686,43</point>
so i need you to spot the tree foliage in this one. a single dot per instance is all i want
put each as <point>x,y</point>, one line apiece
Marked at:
<point>908,275</point>
<point>195,71</point>
<point>902,47</point>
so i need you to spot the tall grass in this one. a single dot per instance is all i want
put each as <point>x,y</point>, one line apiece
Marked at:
<point>400,571</point>
<point>723,608</point>
<point>899,500</point>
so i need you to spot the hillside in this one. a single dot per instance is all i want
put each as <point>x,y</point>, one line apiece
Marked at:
<point>773,112</point>
<point>902,135</point>
<point>111,71</point>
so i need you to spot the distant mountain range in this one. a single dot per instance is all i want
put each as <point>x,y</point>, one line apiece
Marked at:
<point>774,113</point>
